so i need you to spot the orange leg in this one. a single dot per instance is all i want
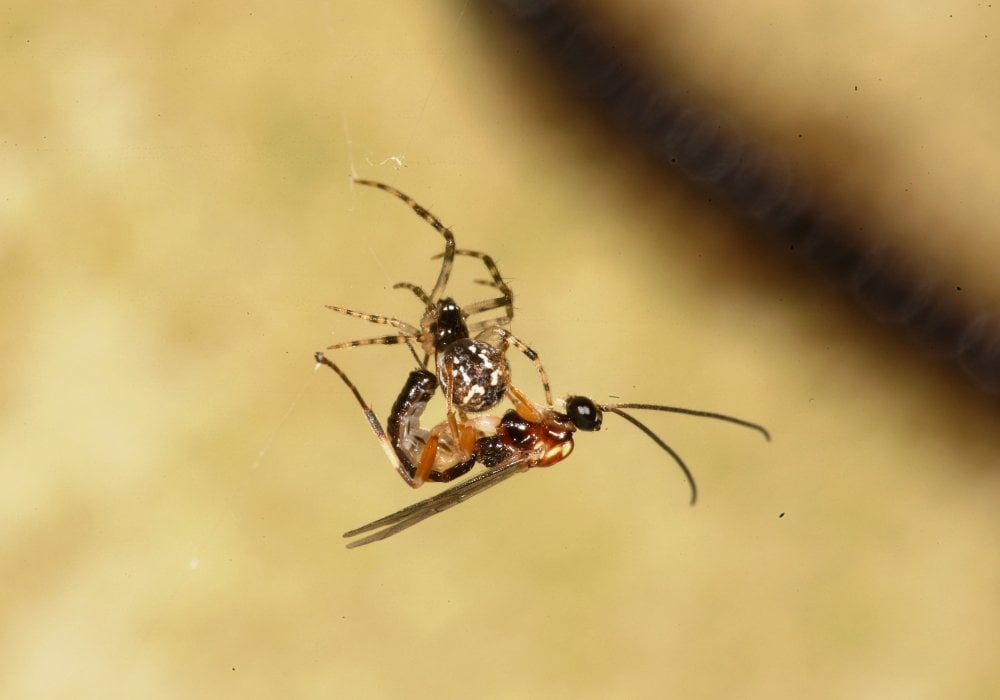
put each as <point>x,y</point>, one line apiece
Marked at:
<point>525,407</point>
<point>427,458</point>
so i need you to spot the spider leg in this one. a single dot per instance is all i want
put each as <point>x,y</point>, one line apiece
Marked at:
<point>409,333</point>
<point>489,304</point>
<point>421,294</point>
<point>507,337</point>
<point>507,300</point>
<point>451,412</point>
<point>448,257</point>
<point>413,351</point>
<point>384,340</point>
<point>486,323</point>
<point>375,318</point>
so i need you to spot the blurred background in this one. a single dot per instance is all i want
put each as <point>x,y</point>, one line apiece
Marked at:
<point>176,209</point>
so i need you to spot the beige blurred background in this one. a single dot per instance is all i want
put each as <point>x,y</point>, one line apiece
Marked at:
<point>175,211</point>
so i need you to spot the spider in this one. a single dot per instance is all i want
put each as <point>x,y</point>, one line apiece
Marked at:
<point>473,372</point>
<point>527,436</point>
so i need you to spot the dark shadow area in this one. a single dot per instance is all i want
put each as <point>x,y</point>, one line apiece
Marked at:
<point>679,138</point>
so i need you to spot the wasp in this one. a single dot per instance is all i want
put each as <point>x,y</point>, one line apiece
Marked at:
<point>527,436</point>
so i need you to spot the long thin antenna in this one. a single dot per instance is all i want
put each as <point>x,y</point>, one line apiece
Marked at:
<point>692,412</point>
<point>656,438</point>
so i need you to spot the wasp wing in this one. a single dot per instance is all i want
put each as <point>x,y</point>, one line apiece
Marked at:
<point>413,514</point>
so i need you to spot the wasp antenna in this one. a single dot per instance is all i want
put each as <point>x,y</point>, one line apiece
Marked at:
<point>692,412</point>
<point>656,438</point>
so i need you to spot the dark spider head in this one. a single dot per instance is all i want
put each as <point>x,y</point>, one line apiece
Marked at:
<point>448,324</point>
<point>584,413</point>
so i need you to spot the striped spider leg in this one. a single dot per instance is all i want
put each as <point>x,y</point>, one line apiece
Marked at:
<point>472,372</point>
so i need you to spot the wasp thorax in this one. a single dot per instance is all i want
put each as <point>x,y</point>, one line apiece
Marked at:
<point>551,439</point>
<point>475,374</point>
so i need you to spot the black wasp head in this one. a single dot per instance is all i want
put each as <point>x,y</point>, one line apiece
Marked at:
<point>584,413</point>
<point>449,325</point>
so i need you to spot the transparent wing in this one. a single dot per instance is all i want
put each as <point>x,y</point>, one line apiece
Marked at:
<point>413,514</point>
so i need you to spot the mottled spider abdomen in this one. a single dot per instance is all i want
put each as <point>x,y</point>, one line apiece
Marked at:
<point>474,373</point>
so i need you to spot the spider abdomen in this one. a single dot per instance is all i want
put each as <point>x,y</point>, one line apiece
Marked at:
<point>475,373</point>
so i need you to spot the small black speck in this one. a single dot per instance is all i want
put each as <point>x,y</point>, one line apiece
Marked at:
<point>781,515</point>
<point>855,88</point>
<point>234,668</point>
<point>958,289</point>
